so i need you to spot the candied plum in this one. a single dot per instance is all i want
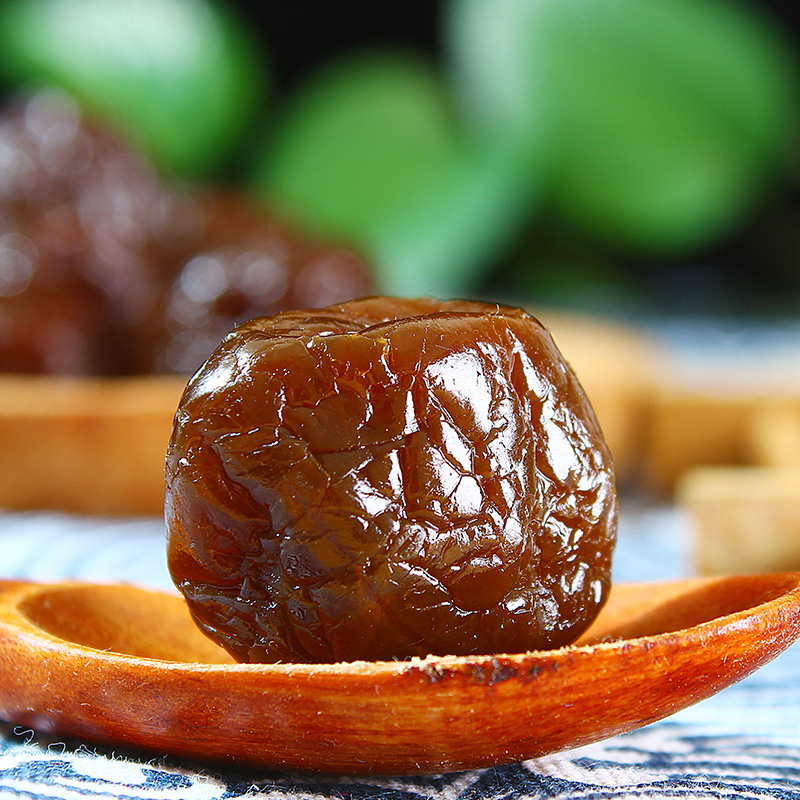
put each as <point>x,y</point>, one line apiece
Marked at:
<point>246,264</point>
<point>77,210</point>
<point>117,271</point>
<point>385,479</point>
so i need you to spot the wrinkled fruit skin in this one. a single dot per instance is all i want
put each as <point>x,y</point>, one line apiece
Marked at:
<point>386,479</point>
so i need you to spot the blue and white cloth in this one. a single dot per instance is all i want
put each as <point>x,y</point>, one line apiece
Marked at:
<point>744,742</point>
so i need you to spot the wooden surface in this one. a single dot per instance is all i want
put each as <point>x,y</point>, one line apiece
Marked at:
<point>85,445</point>
<point>127,667</point>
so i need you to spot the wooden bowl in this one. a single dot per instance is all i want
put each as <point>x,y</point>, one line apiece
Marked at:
<point>85,445</point>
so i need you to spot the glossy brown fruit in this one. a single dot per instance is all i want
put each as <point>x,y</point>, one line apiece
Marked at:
<point>389,478</point>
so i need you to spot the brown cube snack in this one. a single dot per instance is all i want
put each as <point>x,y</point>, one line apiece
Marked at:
<point>743,519</point>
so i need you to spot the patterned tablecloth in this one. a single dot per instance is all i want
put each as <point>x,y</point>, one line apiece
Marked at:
<point>744,742</point>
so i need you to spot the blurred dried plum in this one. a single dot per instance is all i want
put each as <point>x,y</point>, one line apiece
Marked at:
<point>244,265</point>
<point>84,213</point>
<point>137,274</point>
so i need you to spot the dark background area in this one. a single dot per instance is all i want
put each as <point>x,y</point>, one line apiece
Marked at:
<point>301,35</point>
<point>754,272</point>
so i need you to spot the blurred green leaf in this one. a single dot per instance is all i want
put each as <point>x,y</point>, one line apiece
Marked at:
<point>369,151</point>
<point>183,76</point>
<point>663,121</point>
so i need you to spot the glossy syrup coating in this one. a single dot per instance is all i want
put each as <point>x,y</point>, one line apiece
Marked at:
<point>389,478</point>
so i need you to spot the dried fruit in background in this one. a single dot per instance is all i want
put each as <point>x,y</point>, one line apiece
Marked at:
<point>108,269</point>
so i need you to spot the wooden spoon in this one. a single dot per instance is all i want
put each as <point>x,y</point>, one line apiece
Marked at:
<point>121,665</point>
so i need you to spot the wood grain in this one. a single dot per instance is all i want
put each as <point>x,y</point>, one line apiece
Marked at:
<point>127,667</point>
<point>85,445</point>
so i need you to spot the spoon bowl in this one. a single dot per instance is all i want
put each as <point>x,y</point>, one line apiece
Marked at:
<point>121,665</point>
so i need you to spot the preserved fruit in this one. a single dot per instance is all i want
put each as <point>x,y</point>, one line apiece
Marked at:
<point>385,479</point>
<point>107,269</point>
